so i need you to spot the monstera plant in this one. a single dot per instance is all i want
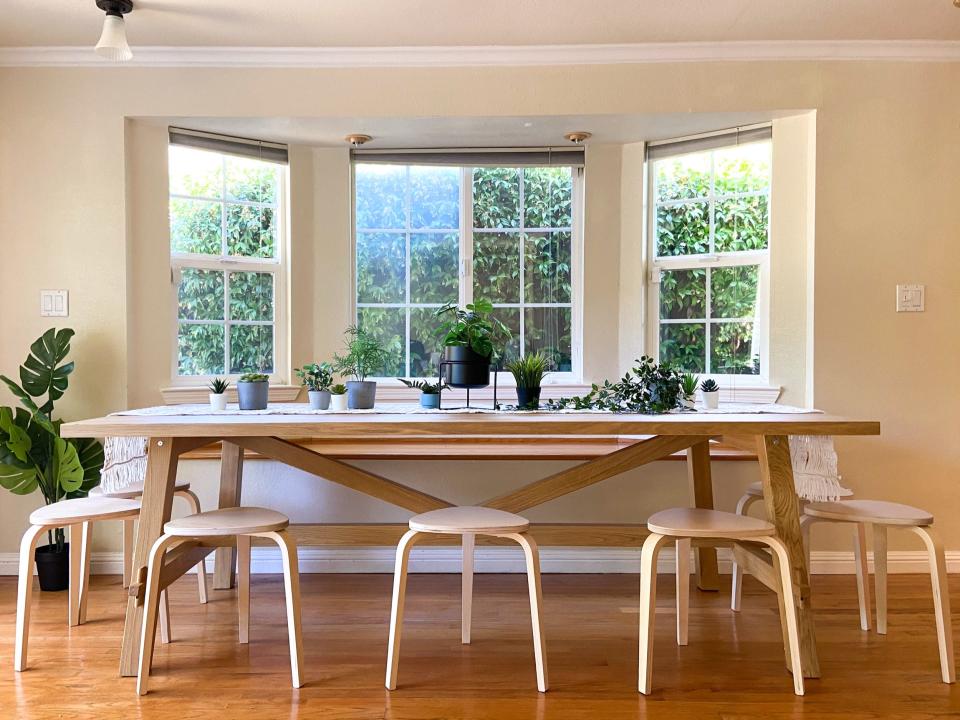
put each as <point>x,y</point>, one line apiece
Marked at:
<point>32,454</point>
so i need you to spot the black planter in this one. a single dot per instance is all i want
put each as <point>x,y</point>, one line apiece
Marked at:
<point>467,369</point>
<point>53,568</point>
<point>528,398</point>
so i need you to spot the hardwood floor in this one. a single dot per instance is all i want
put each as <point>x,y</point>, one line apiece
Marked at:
<point>732,668</point>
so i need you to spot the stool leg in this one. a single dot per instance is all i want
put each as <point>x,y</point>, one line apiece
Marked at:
<point>466,593</point>
<point>880,575</point>
<point>148,630</point>
<point>396,612</point>
<point>164,612</point>
<point>941,601</point>
<point>789,606</point>
<point>127,550</point>
<point>291,584</point>
<point>532,555</point>
<point>194,502</point>
<point>24,591</point>
<point>76,573</point>
<point>648,607</point>
<point>243,587</point>
<point>86,535</point>
<point>736,582</point>
<point>863,573</point>
<point>683,588</point>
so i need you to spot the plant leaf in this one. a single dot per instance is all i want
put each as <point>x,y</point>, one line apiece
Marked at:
<point>40,374</point>
<point>90,453</point>
<point>36,415</point>
<point>17,479</point>
<point>67,470</point>
<point>18,441</point>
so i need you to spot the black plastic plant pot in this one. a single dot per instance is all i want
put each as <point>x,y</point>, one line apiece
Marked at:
<point>465,368</point>
<point>528,398</point>
<point>53,568</point>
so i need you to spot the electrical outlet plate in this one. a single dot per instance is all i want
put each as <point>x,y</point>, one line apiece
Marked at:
<point>910,298</point>
<point>54,303</point>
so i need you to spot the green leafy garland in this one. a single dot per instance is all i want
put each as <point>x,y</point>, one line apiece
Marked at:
<point>647,389</point>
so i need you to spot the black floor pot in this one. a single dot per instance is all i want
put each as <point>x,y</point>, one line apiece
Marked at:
<point>528,398</point>
<point>465,368</point>
<point>53,568</point>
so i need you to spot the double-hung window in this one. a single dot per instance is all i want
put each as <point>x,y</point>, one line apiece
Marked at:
<point>709,252</point>
<point>430,234</point>
<point>227,255</point>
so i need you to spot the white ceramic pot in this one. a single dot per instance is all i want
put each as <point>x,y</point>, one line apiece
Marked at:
<point>218,401</point>
<point>319,399</point>
<point>711,400</point>
<point>338,403</point>
<point>688,401</point>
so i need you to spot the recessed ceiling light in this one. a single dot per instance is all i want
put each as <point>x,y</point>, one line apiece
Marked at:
<point>530,124</point>
<point>113,40</point>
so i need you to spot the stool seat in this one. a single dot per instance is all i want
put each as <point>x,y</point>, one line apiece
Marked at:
<point>469,519</point>
<point>700,522</point>
<point>134,490</point>
<point>228,521</point>
<point>754,489</point>
<point>876,512</point>
<point>78,510</point>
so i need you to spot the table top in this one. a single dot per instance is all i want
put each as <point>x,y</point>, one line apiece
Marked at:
<point>481,424</point>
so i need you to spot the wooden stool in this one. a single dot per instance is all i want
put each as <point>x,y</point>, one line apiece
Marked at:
<point>681,524</point>
<point>77,514</point>
<point>242,523</point>
<point>468,522</point>
<point>880,515</point>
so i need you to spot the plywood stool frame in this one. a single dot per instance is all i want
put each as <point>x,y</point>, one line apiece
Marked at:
<point>468,522</point>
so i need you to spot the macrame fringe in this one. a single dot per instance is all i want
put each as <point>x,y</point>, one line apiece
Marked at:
<point>124,463</point>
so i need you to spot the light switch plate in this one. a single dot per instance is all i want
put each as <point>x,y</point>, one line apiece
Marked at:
<point>54,303</point>
<point>910,298</point>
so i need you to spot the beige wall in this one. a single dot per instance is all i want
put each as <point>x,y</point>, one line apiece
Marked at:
<point>76,209</point>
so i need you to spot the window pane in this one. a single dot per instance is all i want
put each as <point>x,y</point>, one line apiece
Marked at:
<point>548,331</point>
<point>434,267</point>
<point>547,267</point>
<point>197,173</point>
<point>733,291</point>
<point>251,296</point>
<point>388,325</point>
<point>496,198</point>
<point>199,349</point>
<point>434,197</point>
<point>496,266</point>
<point>548,197</point>
<point>424,342</point>
<point>511,318</point>
<point>252,180</point>
<point>194,226</point>
<point>251,348</point>
<point>683,294</point>
<point>741,224</point>
<point>381,196</point>
<point>731,349</point>
<point>251,231</point>
<point>381,267</point>
<point>684,346</point>
<point>686,176</point>
<point>200,295</point>
<point>744,168</point>
<point>683,229</point>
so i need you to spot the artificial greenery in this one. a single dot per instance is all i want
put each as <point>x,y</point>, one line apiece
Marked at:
<point>709,385</point>
<point>364,354</point>
<point>253,377</point>
<point>529,370</point>
<point>316,376</point>
<point>218,386</point>
<point>338,389</point>
<point>32,454</point>
<point>473,326</point>
<point>647,389</point>
<point>688,383</point>
<point>425,386</point>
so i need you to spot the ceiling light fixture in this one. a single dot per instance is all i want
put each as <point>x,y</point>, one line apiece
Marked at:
<point>578,138</point>
<point>358,140</point>
<point>113,40</point>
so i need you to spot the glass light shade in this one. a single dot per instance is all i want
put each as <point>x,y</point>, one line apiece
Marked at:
<point>113,41</point>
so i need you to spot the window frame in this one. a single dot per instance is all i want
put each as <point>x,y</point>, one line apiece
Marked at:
<point>277,267</point>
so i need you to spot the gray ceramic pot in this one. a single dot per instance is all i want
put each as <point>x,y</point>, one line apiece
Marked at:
<point>361,395</point>
<point>319,399</point>
<point>253,395</point>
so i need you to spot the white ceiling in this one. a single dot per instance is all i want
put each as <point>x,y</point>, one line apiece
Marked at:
<point>392,23</point>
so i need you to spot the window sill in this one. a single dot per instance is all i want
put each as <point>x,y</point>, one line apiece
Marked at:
<point>200,394</point>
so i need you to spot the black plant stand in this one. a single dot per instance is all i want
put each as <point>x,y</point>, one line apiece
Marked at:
<point>443,364</point>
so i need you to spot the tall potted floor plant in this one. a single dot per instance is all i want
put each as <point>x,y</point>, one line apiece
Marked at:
<point>471,337</point>
<point>363,356</point>
<point>33,456</point>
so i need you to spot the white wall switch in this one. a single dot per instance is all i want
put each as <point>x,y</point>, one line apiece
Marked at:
<point>54,303</point>
<point>910,298</point>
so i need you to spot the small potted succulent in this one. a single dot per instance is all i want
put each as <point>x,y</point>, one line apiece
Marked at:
<point>528,371</point>
<point>711,394</point>
<point>253,391</point>
<point>429,391</point>
<point>317,377</point>
<point>363,357</point>
<point>469,335</point>
<point>338,397</point>
<point>218,393</point>
<point>688,388</point>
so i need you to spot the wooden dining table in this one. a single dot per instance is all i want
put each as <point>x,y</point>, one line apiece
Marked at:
<point>642,439</point>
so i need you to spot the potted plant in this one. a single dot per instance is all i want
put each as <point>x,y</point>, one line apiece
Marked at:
<point>429,392</point>
<point>528,371</point>
<point>338,397</point>
<point>218,393</point>
<point>688,386</point>
<point>364,356</point>
<point>469,335</point>
<point>33,456</point>
<point>711,394</point>
<point>317,378</point>
<point>253,391</point>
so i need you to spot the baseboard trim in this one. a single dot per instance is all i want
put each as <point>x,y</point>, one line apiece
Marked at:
<point>507,560</point>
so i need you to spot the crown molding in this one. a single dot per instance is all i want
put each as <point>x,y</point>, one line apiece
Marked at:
<point>491,56</point>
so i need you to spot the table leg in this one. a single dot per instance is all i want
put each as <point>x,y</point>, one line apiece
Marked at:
<point>701,487</point>
<point>154,512</point>
<point>231,479</point>
<point>783,508</point>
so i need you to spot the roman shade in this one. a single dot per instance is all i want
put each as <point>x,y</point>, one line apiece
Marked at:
<point>698,143</point>
<point>492,157</point>
<point>242,147</point>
